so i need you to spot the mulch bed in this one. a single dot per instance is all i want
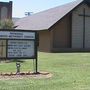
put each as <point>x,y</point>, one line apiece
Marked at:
<point>39,75</point>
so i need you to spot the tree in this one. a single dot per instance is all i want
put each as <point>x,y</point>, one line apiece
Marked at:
<point>6,24</point>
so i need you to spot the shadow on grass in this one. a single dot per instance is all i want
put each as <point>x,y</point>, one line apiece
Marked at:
<point>12,60</point>
<point>17,60</point>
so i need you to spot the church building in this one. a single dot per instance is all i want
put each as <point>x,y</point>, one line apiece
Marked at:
<point>63,28</point>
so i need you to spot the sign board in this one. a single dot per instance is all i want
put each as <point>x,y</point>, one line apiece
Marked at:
<point>18,44</point>
<point>20,48</point>
<point>17,35</point>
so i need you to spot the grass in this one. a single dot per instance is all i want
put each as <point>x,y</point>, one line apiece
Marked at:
<point>71,71</point>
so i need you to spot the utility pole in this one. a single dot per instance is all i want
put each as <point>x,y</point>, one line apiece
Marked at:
<point>28,13</point>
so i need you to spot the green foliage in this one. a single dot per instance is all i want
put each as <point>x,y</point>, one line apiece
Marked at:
<point>6,24</point>
<point>70,71</point>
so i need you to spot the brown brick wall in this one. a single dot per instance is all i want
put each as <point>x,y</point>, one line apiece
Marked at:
<point>44,41</point>
<point>8,5</point>
<point>62,33</point>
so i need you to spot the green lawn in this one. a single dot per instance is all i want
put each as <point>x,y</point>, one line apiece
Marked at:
<point>71,71</point>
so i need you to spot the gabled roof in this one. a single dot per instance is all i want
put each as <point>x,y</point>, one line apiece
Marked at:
<point>44,20</point>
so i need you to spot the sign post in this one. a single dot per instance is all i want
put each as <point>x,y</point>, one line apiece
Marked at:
<point>18,44</point>
<point>18,67</point>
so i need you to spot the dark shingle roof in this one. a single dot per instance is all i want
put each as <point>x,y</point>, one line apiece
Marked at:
<point>44,20</point>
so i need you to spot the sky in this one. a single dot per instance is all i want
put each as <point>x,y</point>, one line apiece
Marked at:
<point>22,6</point>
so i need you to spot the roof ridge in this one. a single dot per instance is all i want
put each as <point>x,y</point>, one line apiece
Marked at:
<point>54,7</point>
<point>45,19</point>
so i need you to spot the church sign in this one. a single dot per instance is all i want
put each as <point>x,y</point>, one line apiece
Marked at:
<point>18,44</point>
<point>20,49</point>
<point>17,34</point>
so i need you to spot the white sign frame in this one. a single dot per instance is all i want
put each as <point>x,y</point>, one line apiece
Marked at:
<point>19,35</point>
